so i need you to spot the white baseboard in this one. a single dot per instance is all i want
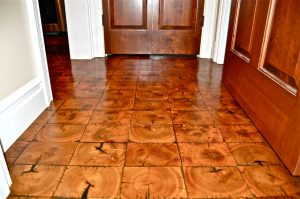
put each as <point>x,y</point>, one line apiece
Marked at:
<point>19,110</point>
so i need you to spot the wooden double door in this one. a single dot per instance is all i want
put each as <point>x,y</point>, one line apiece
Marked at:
<point>262,71</point>
<point>152,26</point>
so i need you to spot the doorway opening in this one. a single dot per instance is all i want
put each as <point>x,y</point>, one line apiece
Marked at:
<point>53,18</point>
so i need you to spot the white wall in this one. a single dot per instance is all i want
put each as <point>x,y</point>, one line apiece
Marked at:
<point>85,31</point>
<point>25,85</point>
<point>24,79</point>
<point>16,50</point>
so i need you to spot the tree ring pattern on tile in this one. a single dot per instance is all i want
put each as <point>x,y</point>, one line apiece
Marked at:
<point>153,182</point>
<point>106,133</point>
<point>155,134</point>
<point>149,154</point>
<point>151,118</point>
<point>210,154</point>
<point>253,154</point>
<point>240,133</point>
<point>216,182</point>
<point>197,133</point>
<point>38,181</point>
<point>90,182</point>
<point>116,104</point>
<point>60,133</point>
<point>270,180</point>
<point>99,154</point>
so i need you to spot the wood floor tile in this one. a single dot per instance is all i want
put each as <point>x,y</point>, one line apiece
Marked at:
<point>150,154</point>
<point>253,154</point>
<point>99,85</point>
<point>270,181</point>
<point>152,95</point>
<point>54,105</point>
<point>99,154</point>
<point>172,114</point>
<point>210,154</point>
<point>197,133</point>
<point>215,182</point>
<point>240,133</point>
<point>16,149</point>
<point>148,85</point>
<point>151,67</point>
<point>126,72</point>
<point>116,104</point>
<point>60,133</point>
<point>47,153</point>
<point>222,104</point>
<point>230,117</point>
<point>187,105</point>
<point>151,73</point>
<point>152,134</point>
<point>106,133</point>
<point>36,180</point>
<point>44,117</point>
<point>79,104</point>
<point>184,94</point>
<point>216,94</point>
<point>151,105</point>
<point>191,86</point>
<point>153,182</point>
<point>192,117</point>
<point>90,182</point>
<point>111,117</point>
<point>151,79</point>
<point>71,117</point>
<point>61,94</point>
<point>31,132</point>
<point>121,93</point>
<point>86,94</point>
<point>151,118</point>
<point>121,85</point>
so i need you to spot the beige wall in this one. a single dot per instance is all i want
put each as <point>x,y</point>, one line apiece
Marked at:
<point>17,62</point>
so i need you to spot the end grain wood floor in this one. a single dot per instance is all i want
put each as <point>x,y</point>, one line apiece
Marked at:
<point>143,127</point>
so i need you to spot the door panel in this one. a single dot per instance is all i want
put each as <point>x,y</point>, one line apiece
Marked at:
<point>262,73</point>
<point>152,26</point>
<point>177,26</point>
<point>128,26</point>
<point>177,14</point>
<point>122,16</point>
<point>283,65</point>
<point>244,28</point>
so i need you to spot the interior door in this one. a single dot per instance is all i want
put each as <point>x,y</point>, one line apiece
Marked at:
<point>177,26</point>
<point>127,26</point>
<point>152,26</point>
<point>262,71</point>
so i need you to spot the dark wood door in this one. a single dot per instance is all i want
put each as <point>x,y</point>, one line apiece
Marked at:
<point>262,71</point>
<point>177,26</point>
<point>153,26</point>
<point>127,26</point>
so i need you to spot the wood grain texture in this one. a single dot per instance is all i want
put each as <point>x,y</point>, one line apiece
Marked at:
<point>153,182</point>
<point>35,181</point>
<point>215,182</point>
<point>271,105</point>
<point>90,182</point>
<point>153,26</point>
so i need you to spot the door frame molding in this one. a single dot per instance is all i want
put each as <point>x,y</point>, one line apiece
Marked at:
<point>218,54</point>
<point>96,26</point>
<point>215,30</point>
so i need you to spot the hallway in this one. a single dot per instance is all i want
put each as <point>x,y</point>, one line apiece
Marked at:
<point>143,127</point>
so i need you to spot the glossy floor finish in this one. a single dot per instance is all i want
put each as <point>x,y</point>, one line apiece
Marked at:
<point>143,127</point>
